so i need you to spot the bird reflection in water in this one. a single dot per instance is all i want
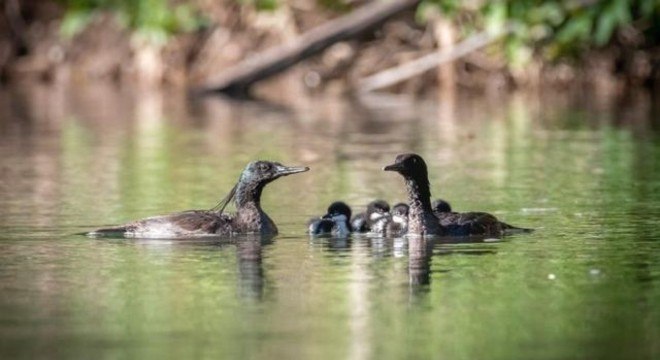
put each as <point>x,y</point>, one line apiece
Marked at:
<point>249,257</point>
<point>338,244</point>
<point>251,279</point>
<point>420,253</point>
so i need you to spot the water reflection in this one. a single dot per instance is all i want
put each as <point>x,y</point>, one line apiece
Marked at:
<point>584,173</point>
<point>251,280</point>
<point>380,246</point>
<point>249,252</point>
<point>365,249</point>
<point>420,251</point>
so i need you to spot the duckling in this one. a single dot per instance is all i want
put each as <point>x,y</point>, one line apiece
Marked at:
<point>376,210</point>
<point>440,206</point>
<point>334,222</point>
<point>399,224</point>
<point>392,224</point>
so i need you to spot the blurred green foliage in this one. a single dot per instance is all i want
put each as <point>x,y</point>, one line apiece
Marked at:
<point>555,28</point>
<point>154,20</point>
<point>552,28</point>
<point>266,5</point>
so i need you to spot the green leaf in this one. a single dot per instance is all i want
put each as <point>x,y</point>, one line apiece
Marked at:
<point>495,16</point>
<point>549,12</point>
<point>517,52</point>
<point>615,14</point>
<point>575,29</point>
<point>267,5</point>
<point>604,28</point>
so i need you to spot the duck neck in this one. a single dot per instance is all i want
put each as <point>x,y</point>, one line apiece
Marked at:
<point>248,196</point>
<point>421,220</point>
<point>250,218</point>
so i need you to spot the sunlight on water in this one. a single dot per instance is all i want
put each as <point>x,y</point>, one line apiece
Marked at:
<point>585,284</point>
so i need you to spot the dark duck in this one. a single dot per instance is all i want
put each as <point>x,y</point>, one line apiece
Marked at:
<point>334,222</point>
<point>423,221</point>
<point>377,210</point>
<point>248,219</point>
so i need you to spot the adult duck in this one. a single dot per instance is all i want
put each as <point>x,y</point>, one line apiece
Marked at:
<point>248,219</point>
<point>423,221</point>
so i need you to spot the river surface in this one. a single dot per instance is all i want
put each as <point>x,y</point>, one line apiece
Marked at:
<point>584,173</point>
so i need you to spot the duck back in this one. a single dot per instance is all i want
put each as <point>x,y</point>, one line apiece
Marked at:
<point>183,224</point>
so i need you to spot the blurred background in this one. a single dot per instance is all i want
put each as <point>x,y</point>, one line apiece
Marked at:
<point>604,46</point>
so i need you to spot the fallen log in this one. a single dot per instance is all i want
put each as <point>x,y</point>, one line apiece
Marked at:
<point>238,79</point>
<point>425,63</point>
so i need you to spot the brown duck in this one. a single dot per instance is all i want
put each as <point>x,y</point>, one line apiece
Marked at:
<point>248,219</point>
<point>423,220</point>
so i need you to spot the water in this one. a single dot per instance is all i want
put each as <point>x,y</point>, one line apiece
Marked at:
<point>584,174</point>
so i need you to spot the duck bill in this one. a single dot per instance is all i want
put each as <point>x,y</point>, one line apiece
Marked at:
<point>393,167</point>
<point>288,170</point>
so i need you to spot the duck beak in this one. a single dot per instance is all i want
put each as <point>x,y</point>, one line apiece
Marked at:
<point>288,170</point>
<point>393,167</point>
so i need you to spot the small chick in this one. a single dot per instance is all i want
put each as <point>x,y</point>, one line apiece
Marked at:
<point>334,222</point>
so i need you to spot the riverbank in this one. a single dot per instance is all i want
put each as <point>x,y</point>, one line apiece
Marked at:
<point>36,51</point>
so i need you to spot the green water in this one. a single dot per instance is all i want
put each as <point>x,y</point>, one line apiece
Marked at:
<point>584,285</point>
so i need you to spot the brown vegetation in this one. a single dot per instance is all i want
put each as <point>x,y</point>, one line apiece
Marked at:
<point>31,48</point>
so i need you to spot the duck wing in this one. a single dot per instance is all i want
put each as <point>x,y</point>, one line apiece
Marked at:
<point>470,223</point>
<point>183,224</point>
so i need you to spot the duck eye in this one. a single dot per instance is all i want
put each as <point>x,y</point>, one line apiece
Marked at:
<point>264,166</point>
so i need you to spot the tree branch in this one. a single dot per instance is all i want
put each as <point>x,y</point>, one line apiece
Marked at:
<point>418,66</point>
<point>238,78</point>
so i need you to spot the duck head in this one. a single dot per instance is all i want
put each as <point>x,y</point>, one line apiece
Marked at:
<point>413,169</point>
<point>264,172</point>
<point>400,210</point>
<point>409,166</point>
<point>376,210</point>
<point>254,178</point>
<point>440,206</point>
<point>338,211</point>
